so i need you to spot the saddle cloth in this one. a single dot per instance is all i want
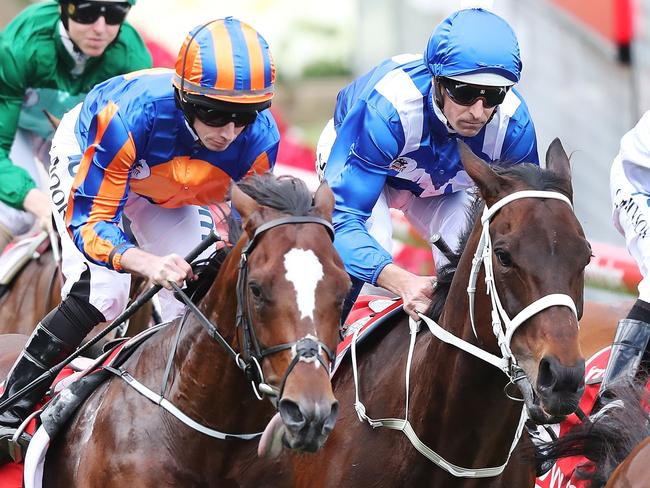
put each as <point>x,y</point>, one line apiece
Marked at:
<point>17,255</point>
<point>368,312</point>
<point>11,474</point>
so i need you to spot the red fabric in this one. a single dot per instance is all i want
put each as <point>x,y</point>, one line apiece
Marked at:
<point>11,474</point>
<point>361,309</point>
<point>563,472</point>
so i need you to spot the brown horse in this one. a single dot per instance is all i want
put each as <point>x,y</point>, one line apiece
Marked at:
<point>457,406</point>
<point>634,471</point>
<point>32,294</point>
<point>36,290</point>
<point>276,301</point>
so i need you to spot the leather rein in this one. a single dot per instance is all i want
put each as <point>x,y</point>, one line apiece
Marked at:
<point>307,349</point>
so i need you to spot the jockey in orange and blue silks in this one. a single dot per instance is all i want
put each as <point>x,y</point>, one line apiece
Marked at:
<point>155,146</point>
<point>149,148</point>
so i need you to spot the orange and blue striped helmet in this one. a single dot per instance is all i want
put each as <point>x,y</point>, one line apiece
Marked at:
<point>225,60</point>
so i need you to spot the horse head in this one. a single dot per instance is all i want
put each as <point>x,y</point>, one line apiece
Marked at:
<point>534,253</point>
<point>291,284</point>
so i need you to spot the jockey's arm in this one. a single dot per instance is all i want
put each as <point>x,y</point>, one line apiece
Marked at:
<point>161,270</point>
<point>415,290</point>
<point>15,182</point>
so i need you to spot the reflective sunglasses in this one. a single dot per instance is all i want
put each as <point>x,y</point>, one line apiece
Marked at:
<point>89,12</point>
<point>219,118</point>
<point>465,94</point>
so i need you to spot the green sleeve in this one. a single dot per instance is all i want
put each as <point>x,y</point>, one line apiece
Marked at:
<point>15,182</point>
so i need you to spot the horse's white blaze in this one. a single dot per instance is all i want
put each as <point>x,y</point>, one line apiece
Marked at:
<point>304,271</point>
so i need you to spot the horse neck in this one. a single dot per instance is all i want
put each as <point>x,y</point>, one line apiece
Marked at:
<point>208,383</point>
<point>467,394</point>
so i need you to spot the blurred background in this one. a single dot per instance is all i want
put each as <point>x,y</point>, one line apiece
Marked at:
<point>585,77</point>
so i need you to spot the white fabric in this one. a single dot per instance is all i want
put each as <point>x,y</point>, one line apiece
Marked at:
<point>485,79</point>
<point>630,193</point>
<point>14,258</point>
<point>429,215</point>
<point>400,90</point>
<point>35,459</point>
<point>158,230</point>
<point>24,153</point>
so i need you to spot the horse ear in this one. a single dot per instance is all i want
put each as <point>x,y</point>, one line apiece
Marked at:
<point>557,160</point>
<point>485,178</point>
<point>248,208</point>
<point>324,201</point>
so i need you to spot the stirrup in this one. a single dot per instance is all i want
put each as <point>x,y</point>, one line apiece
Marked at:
<point>14,447</point>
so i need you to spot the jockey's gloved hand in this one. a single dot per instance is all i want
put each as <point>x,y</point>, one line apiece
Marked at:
<point>38,204</point>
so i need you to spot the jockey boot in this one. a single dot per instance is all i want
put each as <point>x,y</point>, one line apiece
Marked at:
<point>42,351</point>
<point>628,348</point>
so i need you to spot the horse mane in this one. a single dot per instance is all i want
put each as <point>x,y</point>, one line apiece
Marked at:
<point>532,175</point>
<point>608,439</point>
<point>284,193</point>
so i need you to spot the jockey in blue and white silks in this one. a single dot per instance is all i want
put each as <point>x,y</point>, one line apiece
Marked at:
<point>393,142</point>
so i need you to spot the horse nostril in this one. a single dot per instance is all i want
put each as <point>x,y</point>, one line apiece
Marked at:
<point>555,377</point>
<point>330,421</point>
<point>291,414</point>
<point>545,377</point>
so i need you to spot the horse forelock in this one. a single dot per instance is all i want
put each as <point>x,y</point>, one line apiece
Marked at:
<point>285,194</point>
<point>536,178</point>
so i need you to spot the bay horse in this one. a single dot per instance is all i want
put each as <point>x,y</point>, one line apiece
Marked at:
<point>531,257</point>
<point>273,309</point>
<point>32,294</point>
<point>36,290</point>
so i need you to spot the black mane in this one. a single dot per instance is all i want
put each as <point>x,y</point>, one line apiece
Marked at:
<point>609,439</point>
<point>530,174</point>
<point>284,193</point>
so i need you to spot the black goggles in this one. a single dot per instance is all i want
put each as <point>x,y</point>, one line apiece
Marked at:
<point>466,94</point>
<point>89,12</point>
<point>219,118</point>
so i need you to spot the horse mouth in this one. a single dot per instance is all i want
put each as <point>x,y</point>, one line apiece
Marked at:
<point>546,407</point>
<point>276,435</point>
<point>273,438</point>
<point>540,416</point>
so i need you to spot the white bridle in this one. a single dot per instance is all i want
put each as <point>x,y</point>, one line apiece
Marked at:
<point>502,326</point>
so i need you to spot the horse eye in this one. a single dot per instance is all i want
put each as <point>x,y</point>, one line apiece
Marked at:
<point>255,289</point>
<point>504,257</point>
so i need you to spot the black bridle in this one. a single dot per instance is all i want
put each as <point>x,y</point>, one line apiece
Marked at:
<point>307,349</point>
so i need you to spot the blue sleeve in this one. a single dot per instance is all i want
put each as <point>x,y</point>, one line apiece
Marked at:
<point>356,171</point>
<point>520,145</point>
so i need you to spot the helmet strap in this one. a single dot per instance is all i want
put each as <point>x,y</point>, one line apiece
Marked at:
<point>439,100</point>
<point>181,103</point>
